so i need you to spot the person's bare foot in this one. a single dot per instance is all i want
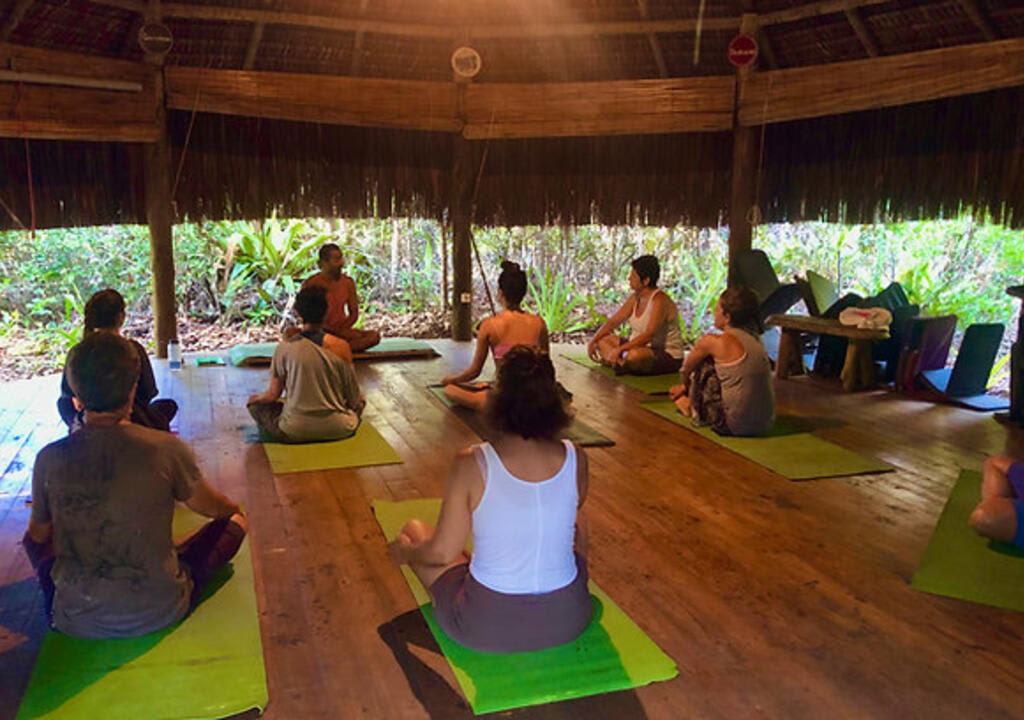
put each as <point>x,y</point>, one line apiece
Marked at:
<point>683,403</point>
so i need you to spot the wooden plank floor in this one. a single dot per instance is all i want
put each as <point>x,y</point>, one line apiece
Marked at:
<point>776,599</point>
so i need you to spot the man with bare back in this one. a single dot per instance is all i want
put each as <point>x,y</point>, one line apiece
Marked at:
<point>342,302</point>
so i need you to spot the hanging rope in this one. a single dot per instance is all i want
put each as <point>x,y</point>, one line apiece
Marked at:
<point>754,216</point>
<point>699,28</point>
<point>16,113</point>
<point>472,205</point>
<point>184,149</point>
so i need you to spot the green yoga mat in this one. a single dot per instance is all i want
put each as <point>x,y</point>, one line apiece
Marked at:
<point>578,431</point>
<point>650,384</point>
<point>397,347</point>
<point>788,448</point>
<point>960,563</point>
<point>208,666</point>
<point>612,654</point>
<point>366,447</point>
<point>251,355</point>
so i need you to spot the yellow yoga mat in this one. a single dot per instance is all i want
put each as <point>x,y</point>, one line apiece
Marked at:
<point>366,447</point>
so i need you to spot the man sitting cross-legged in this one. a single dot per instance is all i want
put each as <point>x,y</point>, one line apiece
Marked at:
<point>342,301</point>
<point>103,500</point>
<point>314,372</point>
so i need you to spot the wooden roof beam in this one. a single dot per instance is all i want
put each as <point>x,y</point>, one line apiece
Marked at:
<point>12,21</point>
<point>819,90</point>
<point>980,19</point>
<point>863,34</point>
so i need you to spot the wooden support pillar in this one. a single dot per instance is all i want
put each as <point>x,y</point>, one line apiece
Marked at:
<point>744,168</point>
<point>461,221</point>
<point>157,176</point>
<point>158,215</point>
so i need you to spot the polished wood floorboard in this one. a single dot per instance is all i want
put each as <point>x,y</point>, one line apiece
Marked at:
<point>777,599</point>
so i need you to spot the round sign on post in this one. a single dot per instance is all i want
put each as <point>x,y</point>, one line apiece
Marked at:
<point>466,62</point>
<point>155,38</point>
<point>742,51</point>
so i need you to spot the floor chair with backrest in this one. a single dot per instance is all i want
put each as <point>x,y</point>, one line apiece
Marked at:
<point>966,383</point>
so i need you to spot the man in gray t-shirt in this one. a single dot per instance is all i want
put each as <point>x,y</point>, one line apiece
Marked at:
<point>103,500</point>
<point>321,396</point>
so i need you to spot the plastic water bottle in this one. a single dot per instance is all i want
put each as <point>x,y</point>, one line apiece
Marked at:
<point>174,354</point>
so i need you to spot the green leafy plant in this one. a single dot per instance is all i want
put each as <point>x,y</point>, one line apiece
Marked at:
<point>697,289</point>
<point>555,299</point>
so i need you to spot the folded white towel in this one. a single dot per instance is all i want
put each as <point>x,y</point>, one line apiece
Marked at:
<point>874,318</point>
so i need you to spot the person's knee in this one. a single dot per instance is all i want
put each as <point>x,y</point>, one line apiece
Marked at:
<point>240,520</point>
<point>416,530</point>
<point>998,463</point>
<point>994,519</point>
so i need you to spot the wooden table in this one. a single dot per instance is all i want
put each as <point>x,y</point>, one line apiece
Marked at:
<point>858,369</point>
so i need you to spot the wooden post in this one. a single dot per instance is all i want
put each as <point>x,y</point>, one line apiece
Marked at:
<point>461,219</point>
<point>158,209</point>
<point>744,168</point>
<point>158,215</point>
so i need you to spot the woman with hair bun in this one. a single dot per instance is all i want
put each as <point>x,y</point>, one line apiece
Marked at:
<point>105,311</point>
<point>497,334</point>
<point>727,377</point>
<point>525,587</point>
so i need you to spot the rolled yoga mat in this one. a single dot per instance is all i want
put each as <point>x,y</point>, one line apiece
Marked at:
<point>578,431</point>
<point>650,384</point>
<point>959,563</point>
<point>366,447</point>
<point>611,654</point>
<point>210,665</point>
<point>251,354</point>
<point>787,449</point>
<point>397,348</point>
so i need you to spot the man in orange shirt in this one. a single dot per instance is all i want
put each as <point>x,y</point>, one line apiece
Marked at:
<point>342,303</point>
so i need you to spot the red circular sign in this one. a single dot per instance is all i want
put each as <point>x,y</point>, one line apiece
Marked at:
<point>742,50</point>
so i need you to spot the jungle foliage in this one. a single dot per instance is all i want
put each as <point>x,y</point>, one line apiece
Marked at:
<point>248,272</point>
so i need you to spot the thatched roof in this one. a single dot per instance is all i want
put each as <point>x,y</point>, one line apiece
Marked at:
<point>919,160</point>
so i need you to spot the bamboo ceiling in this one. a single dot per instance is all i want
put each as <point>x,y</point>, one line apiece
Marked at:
<point>923,160</point>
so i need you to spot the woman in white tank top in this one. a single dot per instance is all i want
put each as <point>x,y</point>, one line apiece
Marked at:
<point>525,588</point>
<point>655,344</point>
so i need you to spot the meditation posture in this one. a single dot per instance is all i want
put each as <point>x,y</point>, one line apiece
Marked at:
<point>104,311</point>
<point>498,334</point>
<point>655,345</point>
<point>1000,514</point>
<point>525,587</point>
<point>727,380</point>
<point>342,302</point>
<point>103,499</point>
<point>314,372</point>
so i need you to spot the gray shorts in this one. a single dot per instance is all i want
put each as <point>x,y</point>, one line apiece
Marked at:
<point>488,621</point>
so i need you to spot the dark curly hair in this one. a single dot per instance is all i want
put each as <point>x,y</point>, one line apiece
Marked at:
<point>102,370</point>
<point>744,311</point>
<point>512,283</point>
<point>103,309</point>
<point>311,304</point>
<point>525,401</point>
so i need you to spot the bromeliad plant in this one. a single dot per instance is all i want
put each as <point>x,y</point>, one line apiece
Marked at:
<point>555,300</point>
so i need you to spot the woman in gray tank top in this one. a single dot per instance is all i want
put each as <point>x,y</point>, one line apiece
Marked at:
<point>727,377</point>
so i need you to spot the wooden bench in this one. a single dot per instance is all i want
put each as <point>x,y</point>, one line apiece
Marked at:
<point>858,369</point>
